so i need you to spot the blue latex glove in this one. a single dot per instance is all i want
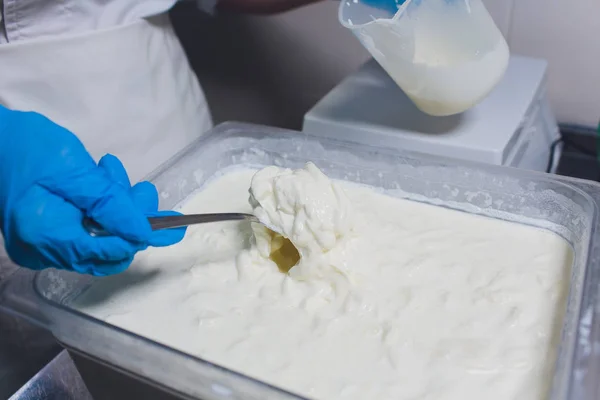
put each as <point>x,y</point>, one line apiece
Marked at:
<point>390,6</point>
<point>48,182</point>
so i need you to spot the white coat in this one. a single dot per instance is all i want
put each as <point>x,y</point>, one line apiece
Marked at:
<point>112,72</point>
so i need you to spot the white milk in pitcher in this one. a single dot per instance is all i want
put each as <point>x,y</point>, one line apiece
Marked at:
<point>446,55</point>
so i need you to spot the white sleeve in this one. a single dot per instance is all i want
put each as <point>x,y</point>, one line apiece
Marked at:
<point>208,6</point>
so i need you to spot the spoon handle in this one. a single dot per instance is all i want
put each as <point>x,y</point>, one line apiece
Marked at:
<point>174,221</point>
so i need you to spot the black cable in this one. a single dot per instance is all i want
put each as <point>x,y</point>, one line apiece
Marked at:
<point>553,153</point>
<point>598,147</point>
<point>598,142</point>
<point>568,143</point>
<point>578,147</point>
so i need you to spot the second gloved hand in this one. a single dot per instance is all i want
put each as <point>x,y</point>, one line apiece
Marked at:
<point>390,6</point>
<point>48,183</point>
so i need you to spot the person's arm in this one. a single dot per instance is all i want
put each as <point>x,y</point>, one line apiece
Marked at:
<point>264,7</point>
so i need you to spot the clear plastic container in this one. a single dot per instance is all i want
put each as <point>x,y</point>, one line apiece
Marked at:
<point>563,205</point>
<point>446,55</point>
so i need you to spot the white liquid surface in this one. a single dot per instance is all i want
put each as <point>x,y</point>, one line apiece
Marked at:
<point>443,304</point>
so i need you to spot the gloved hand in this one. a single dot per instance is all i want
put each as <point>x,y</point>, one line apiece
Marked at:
<point>390,6</point>
<point>48,183</point>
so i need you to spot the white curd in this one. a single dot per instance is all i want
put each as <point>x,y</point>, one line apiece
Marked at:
<point>419,302</point>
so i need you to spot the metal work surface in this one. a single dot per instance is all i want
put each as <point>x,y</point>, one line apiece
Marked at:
<point>24,347</point>
<point>58,380</point>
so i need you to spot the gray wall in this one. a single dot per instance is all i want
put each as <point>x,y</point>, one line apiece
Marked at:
<point>272,69</point>
<point>268,70</point>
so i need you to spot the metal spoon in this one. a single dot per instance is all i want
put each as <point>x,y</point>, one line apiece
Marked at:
<point>174,221</point>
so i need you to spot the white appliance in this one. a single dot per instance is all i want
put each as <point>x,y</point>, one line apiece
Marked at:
<point>514,126</point>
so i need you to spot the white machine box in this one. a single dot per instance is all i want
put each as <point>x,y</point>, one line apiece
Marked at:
<point>514,126</point>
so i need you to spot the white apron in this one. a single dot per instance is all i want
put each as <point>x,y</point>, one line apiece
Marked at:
<point>127,90</point>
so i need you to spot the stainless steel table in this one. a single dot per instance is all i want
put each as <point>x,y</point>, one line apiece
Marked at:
<point>74,377</point>
<point>58,380</point>
<point>24,348</point>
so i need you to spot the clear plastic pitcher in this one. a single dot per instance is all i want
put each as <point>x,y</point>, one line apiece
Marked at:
<point>446,55</point>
